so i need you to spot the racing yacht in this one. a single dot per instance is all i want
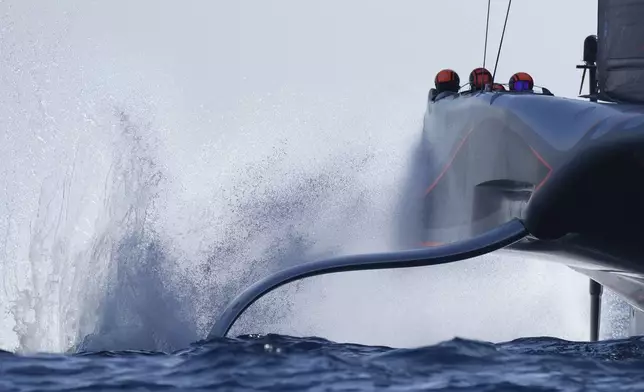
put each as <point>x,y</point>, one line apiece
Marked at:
<point>562,178</point>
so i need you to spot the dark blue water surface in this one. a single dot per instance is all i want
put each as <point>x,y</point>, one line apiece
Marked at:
<point>282,363</point>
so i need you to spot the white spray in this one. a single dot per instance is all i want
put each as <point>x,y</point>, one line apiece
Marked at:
<point>157,158</point>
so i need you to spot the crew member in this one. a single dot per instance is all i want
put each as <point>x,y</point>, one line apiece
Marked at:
<point>479,78</point>
<point>498,87</point>
<point>447,82</point>
<point>521,81</point>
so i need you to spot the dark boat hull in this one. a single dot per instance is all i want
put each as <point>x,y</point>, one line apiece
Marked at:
<point>572,170</point>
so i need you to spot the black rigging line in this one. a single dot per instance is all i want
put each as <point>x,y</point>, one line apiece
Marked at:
<point>487,29</point>
<point>502,36</point>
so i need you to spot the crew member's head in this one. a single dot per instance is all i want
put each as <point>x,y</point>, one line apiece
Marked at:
<point>498,87</point>
<point>521,81</point>
<point>447,80</point>
<point>479,78</point>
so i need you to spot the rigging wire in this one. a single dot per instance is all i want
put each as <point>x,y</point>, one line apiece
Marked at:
<point>502,36</point>
<point>487,29</point>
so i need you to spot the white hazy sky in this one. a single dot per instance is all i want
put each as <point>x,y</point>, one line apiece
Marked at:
<point>223,48</point>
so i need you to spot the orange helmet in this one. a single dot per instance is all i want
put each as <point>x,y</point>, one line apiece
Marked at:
<point>498,87</point>
<point>447,80</point>
<point>479,78</point>
<point>521,81</point>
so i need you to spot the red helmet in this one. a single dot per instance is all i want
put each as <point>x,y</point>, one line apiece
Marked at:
<point>447,80</point>
<point>521,81</point>
<point>479,78</point>
<point>498,87</point>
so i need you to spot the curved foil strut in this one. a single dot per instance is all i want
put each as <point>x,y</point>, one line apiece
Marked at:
<point>490,241</point>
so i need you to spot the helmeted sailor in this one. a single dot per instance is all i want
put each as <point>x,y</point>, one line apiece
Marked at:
<point>479,78</point>
<point>446,81</point>
<point>521,81</point>
<point>498,87</point>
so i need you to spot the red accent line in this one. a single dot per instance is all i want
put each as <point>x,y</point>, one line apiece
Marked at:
<point>449,164</point>
<point>540,158</point>
<point>431,244</point>
<point>451,161</point>
<point>458,149</point>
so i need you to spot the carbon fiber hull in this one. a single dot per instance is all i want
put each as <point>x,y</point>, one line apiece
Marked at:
<point>570,169</point>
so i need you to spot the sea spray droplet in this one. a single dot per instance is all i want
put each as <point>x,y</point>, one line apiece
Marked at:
<point>269,348</point>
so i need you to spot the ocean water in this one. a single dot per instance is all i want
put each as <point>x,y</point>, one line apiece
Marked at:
<point>283,363</point>
<point>159,157</point>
